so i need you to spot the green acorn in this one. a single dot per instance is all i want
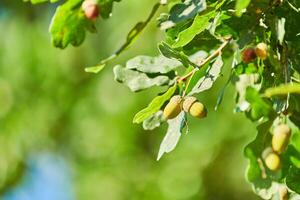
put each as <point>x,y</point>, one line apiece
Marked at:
<point>194,107</point>
<point>280,139</point>
<point>173,108</point>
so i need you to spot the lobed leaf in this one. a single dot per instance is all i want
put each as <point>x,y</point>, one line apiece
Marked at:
<point>255,172</point>
<point>137,81</point>
<point>259,107</point>
<point>200,23</point>
<point>69,24</point>
<point>170,52</point>
<point>154,121</point>
<point>183,11</point>
<point>147,64</point>
<point>207,81</point>
<point>292,179</point>
<point>173,134</point>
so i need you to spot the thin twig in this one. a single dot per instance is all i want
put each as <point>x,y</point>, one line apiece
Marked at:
<point>211,56</point>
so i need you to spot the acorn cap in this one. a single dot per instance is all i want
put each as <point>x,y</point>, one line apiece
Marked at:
<point>261,50</point>
<point>188,102</point>
<point>173,108</point>
<point>280,139</point>
<point>176,99</point>
<point>282,129</point>
<point>266,152</point>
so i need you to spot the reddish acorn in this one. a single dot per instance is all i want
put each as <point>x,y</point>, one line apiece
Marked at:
<point>91,9</point>
<point>248,55</point>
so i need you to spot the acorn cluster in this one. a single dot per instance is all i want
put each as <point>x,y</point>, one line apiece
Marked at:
<point>260,51</point>
<point>91,9</point>
<point>280,140</point>
<point>189,104</point>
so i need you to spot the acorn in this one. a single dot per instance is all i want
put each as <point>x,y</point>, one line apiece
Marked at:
<point>194,107</point>
<point>173,108</point>
<point>272,161</point>
<point>248,55</point>
<point>91,9</point>
<point>261,50</point>
<point>280,139</point>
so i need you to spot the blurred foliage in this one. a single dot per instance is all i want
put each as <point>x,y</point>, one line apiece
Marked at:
<point>48,104</point>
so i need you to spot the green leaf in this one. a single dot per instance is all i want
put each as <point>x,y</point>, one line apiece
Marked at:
<point>69,24</point>
<point>259,107</point>
<point>173,134</point>
<point>138,81</point>
<point>183,11</point>
<point>149,64</point>
<point>200,23</point>
<point>154,121</point>
<point>210,77</point>
<point>240,6</point>
<point>255,172</point>
<point>243,81</point>
<point>283,90</point>
<point>131,37</point>
<point>169,52</point>
<point>154,106</point>
<point>292,179</point>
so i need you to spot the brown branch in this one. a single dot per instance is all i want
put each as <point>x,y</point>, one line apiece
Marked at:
<point>210,57</point>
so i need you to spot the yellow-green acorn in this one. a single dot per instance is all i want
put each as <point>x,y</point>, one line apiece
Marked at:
<point>194,107</point>
<point>280,139</point>
<point>273,161</point>
<point>173,108</point>
<point>261,50</point>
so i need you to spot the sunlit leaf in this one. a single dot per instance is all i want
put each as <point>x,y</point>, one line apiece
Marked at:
<point>147,64</point>
<point>154,121</point>
<point>240,6</point>
<point>183,11</point>
<point>210,77</point>
<point>137,81</point>
<point>173,134</point>
<point>154,106</point>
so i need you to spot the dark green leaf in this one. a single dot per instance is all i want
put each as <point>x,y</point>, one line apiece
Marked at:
<point>292,179</point>
<point>183,11</point>
<point>169,52</point>
<point>256,172</point>
<point>69,24</point>
<point>259,107</point>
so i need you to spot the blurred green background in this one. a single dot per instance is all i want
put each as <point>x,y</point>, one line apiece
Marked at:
<point>50,106</point>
